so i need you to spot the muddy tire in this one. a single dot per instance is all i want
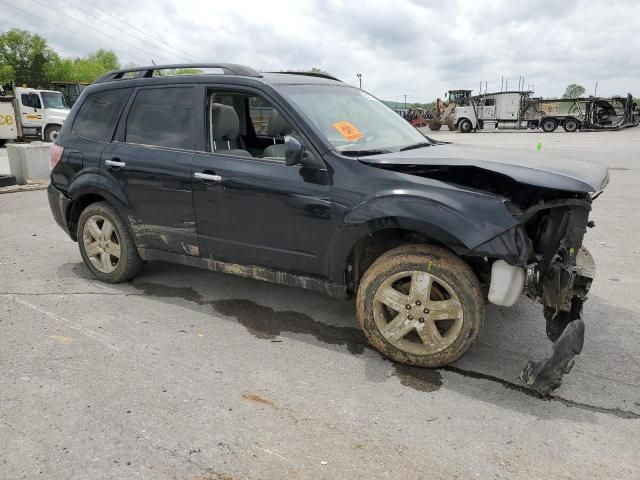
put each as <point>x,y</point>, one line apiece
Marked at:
<point>420,305</point>
<point>434,125</point>
<point>106,245</point>
<point>51,133</point>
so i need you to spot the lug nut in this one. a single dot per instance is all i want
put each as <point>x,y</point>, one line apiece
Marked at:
<point>418,302</point>
<point>426,310</point>
<point>410,317</point>
<point>408,307</point>
<point>421,320</point>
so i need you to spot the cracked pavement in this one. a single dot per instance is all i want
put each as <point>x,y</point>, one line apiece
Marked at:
<point>184,373</point>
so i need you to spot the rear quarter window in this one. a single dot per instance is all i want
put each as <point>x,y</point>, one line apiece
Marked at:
<point>99,114</point>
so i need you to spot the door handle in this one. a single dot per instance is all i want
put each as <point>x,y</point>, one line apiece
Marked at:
<point>207,177</point>
<point>114,163</point>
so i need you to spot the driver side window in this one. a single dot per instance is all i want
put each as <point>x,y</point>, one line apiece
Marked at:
<point>30,100</point>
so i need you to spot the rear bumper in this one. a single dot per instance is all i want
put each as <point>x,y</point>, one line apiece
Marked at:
<point>59,204</point>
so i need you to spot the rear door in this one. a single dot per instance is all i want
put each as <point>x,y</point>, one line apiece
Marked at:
<point>150,158</point>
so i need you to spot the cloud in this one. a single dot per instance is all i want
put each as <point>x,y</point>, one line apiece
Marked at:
<point>403,47</point>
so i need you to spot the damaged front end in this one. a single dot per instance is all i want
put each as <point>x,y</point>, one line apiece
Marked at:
<point>544,257</point>
<point>555,270</point>
<point>560,280</point>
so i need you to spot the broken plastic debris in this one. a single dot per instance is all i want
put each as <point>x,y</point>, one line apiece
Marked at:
<point>544,377</point>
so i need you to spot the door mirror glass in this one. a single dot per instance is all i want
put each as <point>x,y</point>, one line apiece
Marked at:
<point>294,152</point>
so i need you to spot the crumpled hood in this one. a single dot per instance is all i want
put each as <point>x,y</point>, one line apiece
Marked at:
<point>532,168</point>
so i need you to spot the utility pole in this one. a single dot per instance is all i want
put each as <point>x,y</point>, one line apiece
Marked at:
<point>359,75</point>
<point>595,90</point>
<point>405,101</point>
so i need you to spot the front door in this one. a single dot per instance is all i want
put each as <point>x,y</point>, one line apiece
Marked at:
<point>31,110</point>
<point>253,209</point>
<point>151,160</point>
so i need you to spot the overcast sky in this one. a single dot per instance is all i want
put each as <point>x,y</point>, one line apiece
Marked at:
<point>418,48</point>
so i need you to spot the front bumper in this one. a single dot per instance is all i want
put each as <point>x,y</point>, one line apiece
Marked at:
<point>59,204</point>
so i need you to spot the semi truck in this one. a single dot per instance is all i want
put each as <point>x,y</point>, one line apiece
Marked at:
<point>31,114</point>
<point>519,110</point>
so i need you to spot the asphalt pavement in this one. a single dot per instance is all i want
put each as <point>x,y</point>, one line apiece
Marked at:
<point>184,373</point>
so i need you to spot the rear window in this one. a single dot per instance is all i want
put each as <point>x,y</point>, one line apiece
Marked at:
<point>162,117</point>
<point>99,114</point>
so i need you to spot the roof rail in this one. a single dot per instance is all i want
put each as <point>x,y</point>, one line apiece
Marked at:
<point>147,72</point>
<point>311,74</point>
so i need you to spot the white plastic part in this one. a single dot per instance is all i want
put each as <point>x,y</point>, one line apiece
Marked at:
<point>507,283</point>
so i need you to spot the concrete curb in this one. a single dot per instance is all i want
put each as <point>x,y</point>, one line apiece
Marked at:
<point>33,185</point>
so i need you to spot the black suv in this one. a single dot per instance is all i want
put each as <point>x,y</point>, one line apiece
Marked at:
<point>300,179</point>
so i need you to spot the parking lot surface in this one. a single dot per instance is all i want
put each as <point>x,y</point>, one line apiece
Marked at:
<point>184,373</point>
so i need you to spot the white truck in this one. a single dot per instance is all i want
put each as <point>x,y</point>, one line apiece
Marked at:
<point>31,114</point>
<point>504,110</point>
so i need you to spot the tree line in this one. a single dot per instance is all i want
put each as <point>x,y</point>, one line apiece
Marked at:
<point>26,58</point>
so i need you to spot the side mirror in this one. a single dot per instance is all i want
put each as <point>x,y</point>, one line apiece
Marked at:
<point>294,152</point>
<point>297,155</point>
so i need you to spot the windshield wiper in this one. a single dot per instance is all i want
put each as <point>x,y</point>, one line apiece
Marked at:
<point>362,153</point>
<point>417,145</point>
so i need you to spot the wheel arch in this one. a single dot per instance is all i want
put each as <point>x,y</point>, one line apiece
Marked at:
<point>370,246</point>
<point>91,188</point>
<point>394,220</point>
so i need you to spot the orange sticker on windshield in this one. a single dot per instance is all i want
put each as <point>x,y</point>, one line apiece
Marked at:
<point>348,131</point>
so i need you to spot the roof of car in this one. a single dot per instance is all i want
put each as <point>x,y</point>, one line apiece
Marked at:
<point>227,69</point>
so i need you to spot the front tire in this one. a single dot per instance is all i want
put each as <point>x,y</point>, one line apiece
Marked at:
<point>420,305</point>
<point>51,133</point>
<point>465,125</point>
<point>106,245</point>
<point>434,125</point>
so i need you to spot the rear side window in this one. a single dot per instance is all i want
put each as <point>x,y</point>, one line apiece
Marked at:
<point>99,114</point>
<point>162,117</point>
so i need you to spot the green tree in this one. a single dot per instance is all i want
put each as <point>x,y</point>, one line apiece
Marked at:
<point>573,91</point>
<point>318,70</point>
<point>25,58</point>
<point>85,69</point>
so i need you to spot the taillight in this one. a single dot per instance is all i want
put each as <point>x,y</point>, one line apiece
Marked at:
<point>56,155</point>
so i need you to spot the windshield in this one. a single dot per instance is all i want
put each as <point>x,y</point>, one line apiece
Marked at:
<point>53,100</point>
<point>354,121</point>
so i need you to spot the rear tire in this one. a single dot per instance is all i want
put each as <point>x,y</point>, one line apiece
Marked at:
<point>106,245</point>
<point>438,305</point>
<point>570,125</point>
<point>548,125</point>
<point>434,125</point>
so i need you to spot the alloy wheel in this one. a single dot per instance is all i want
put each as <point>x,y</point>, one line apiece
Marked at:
<point>418,312</point>
<point>101,243</point>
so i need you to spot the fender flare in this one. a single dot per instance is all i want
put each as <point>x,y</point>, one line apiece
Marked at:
<point>442,220</point>
<point>94,182</point>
